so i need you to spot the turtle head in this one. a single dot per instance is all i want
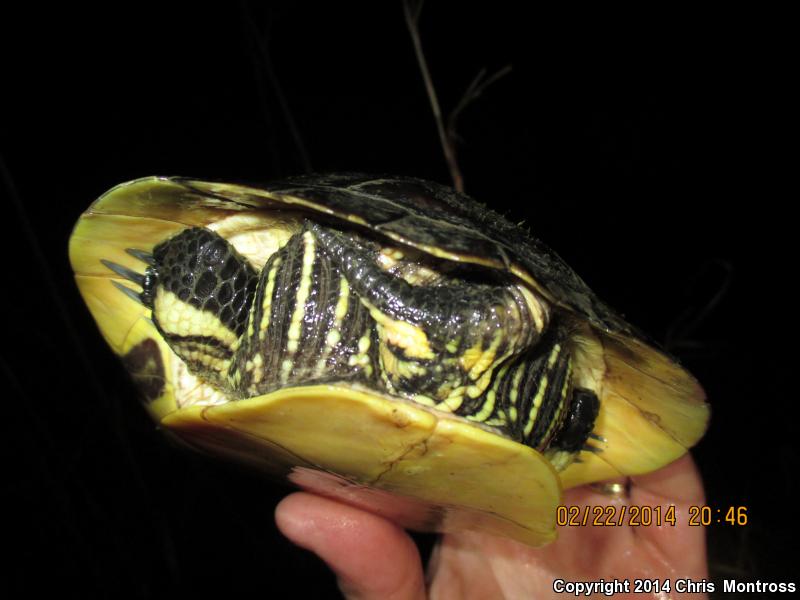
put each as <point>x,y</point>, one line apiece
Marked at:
<point>200,290</point>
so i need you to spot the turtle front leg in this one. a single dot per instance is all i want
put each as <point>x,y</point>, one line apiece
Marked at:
<point>200,290</point>
<point>440,343</point>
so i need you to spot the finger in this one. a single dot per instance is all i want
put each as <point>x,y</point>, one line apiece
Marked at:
<point>678,482</point>
<point>371,557</point>
<point>603,493</point>
<point>679,485</point>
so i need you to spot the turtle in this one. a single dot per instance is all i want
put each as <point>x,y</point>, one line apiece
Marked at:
<point>383,340</point>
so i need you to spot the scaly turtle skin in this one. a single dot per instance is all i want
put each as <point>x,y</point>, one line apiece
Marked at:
<point>387,341</point>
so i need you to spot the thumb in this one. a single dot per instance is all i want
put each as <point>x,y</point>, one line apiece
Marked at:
<point>371,557</point>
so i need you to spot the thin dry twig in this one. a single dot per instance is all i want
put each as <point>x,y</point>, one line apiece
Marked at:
<point>472,93</point>
<point>412,21</point>
<point>448,136</point>
<point>261,41</point>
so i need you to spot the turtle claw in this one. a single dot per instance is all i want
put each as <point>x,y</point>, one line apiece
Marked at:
<point>125,272</point>
<point>599,438</point>
<point>133,295</point>
<point>128,274</point>
<point>143,256</point>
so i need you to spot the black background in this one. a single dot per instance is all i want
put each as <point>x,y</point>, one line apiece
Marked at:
<point>643,148</point>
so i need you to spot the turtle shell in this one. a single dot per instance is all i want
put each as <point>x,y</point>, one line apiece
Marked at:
<point>425,470</point>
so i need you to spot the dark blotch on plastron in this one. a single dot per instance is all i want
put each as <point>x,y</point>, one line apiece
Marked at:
<point>146,367</point>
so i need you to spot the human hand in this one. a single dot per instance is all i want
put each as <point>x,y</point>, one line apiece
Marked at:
<point>374,558</point>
